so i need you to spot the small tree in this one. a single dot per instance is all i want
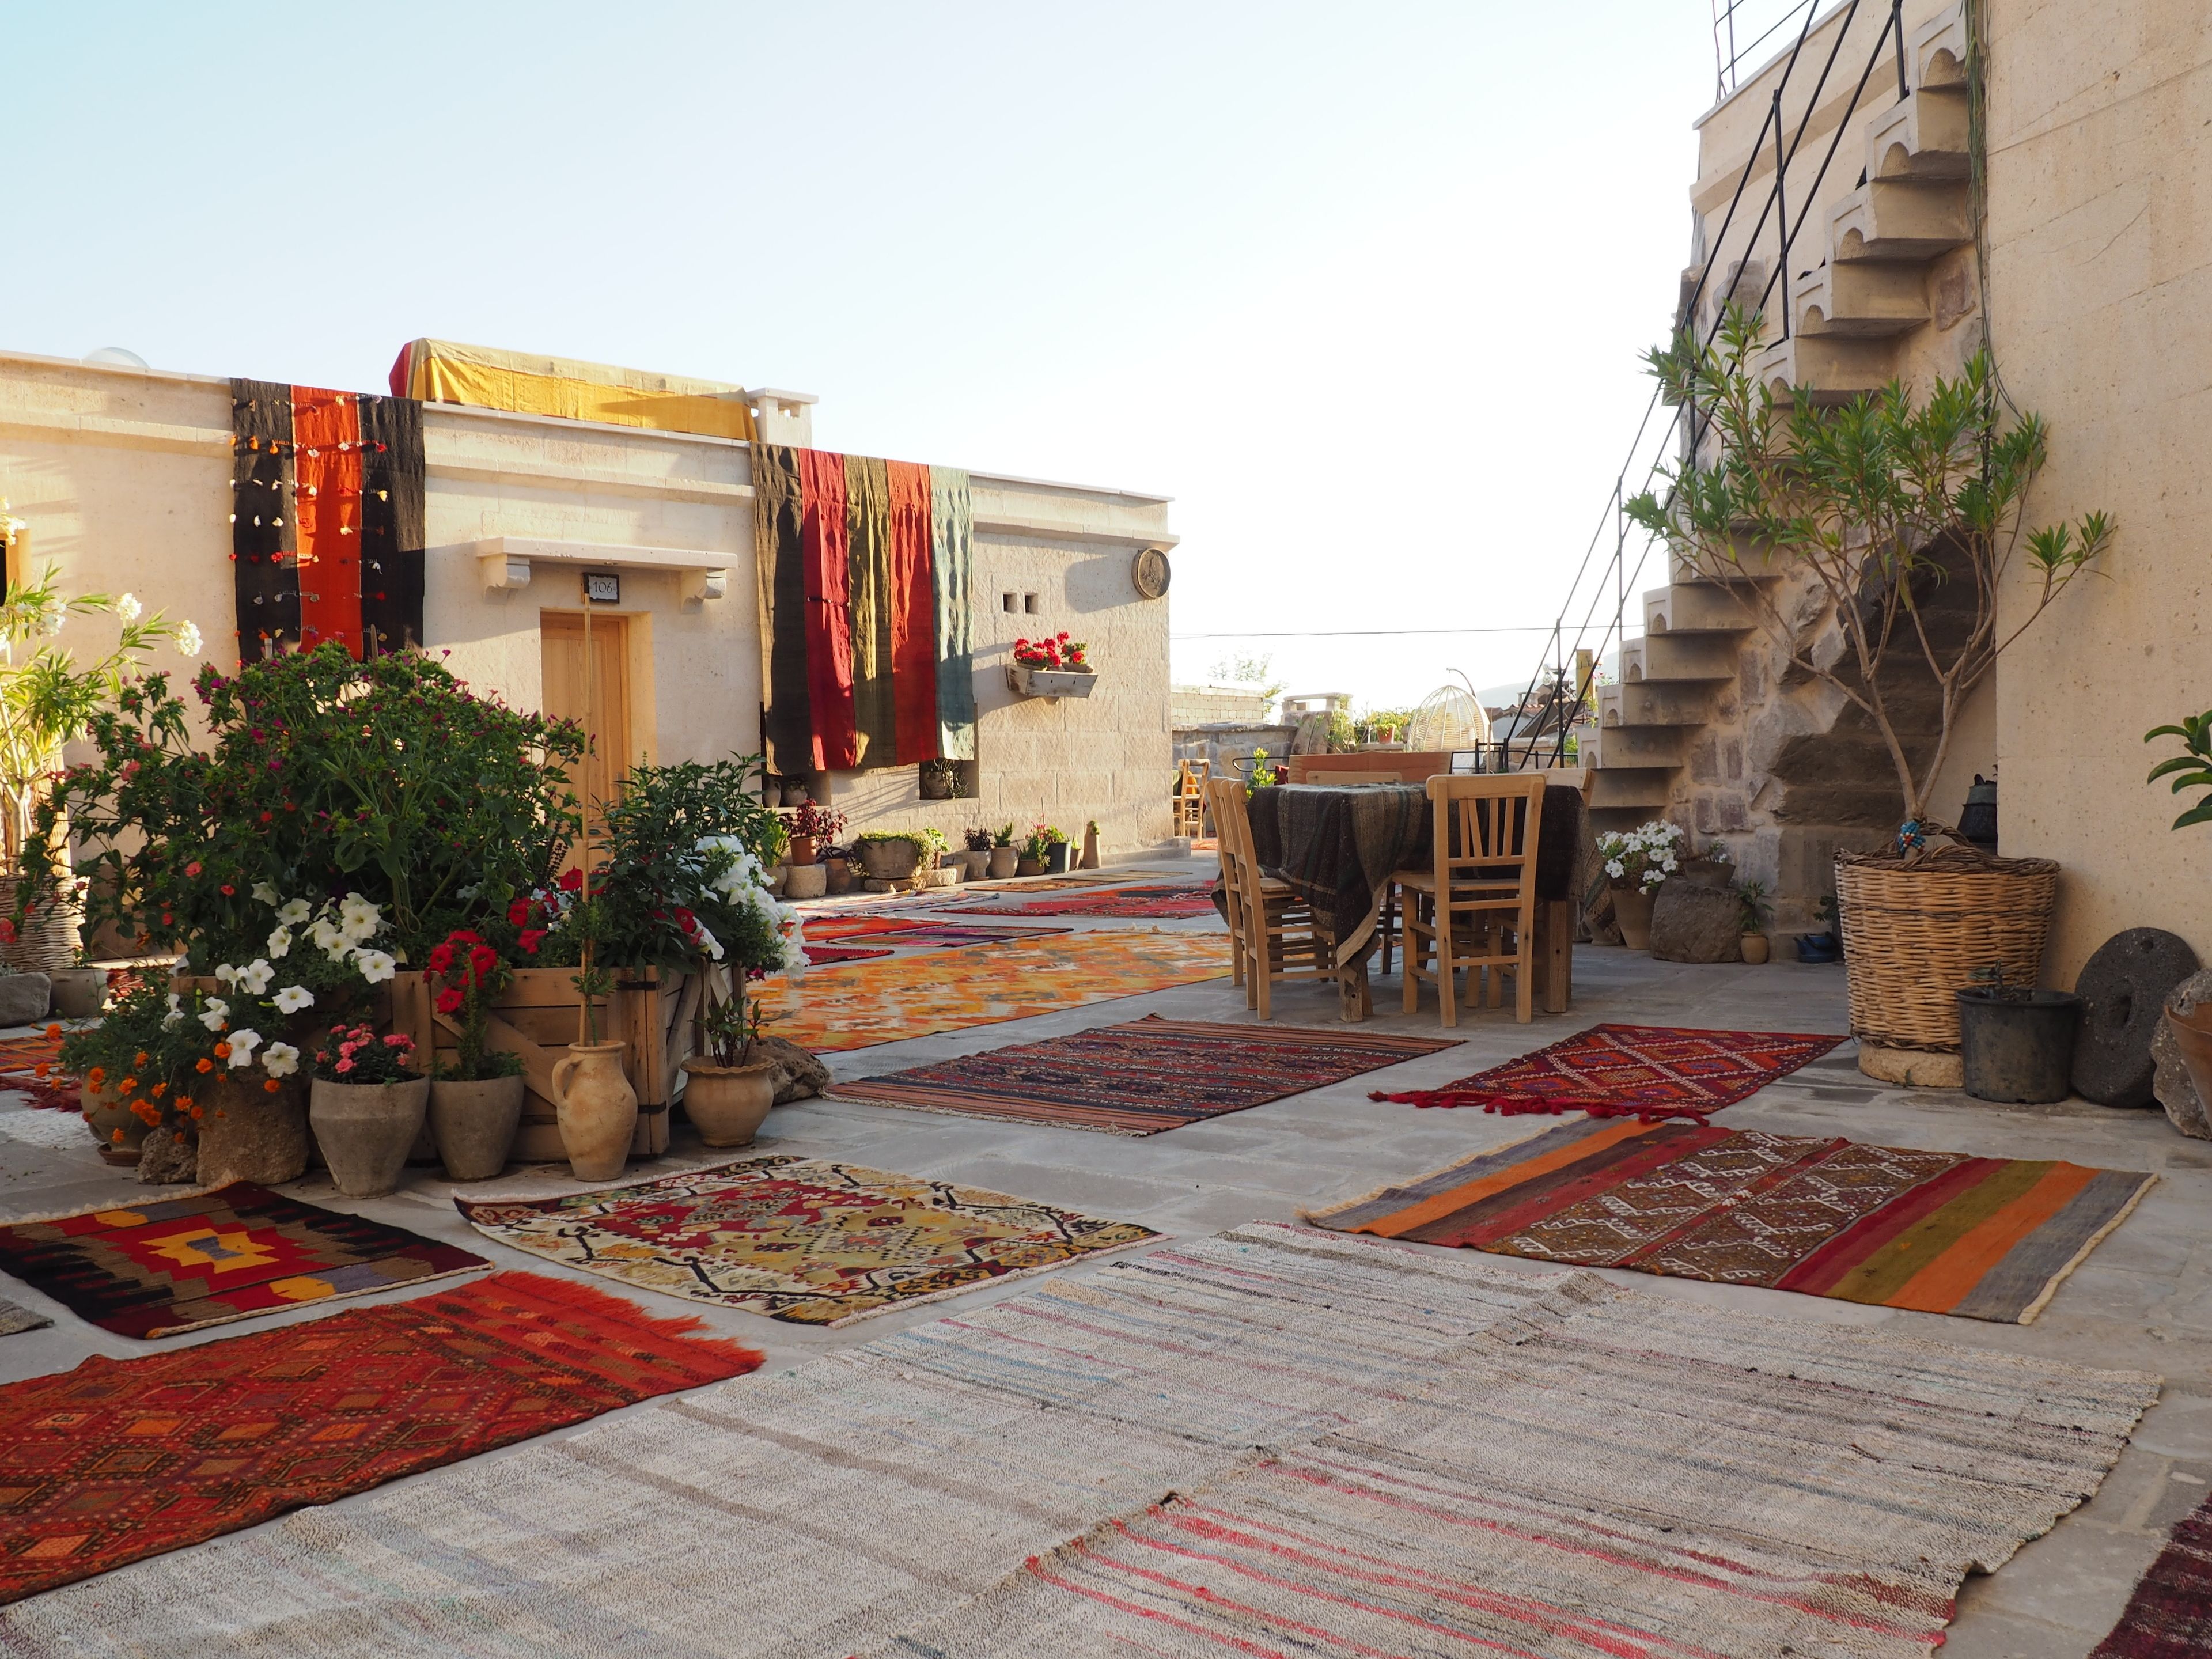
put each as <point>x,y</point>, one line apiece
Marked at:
<point>1880,502</point>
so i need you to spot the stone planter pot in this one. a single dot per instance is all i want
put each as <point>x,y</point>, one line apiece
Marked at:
<point>1632,910</point>
<point>79,993</point>
<point>946,874</point>
<point>806,881</point>
<point>978,864</point>
<point>1030,867</point>
<point>1055,858</point>
<point>2192,1039</point>
<point>598,1109</point>
<point>1001,862</point>
<point>105,1115</point>
<point>889,860</point>
<point>474,1123</point>
<point>246,1133</point>
<point>1755,947</point>
<point>726,1103</point>
<point>364,1130</point>
<point>1049,682</point>
<point>1089,848</point>
<point>837,875</point>
<point>935,784</point>
<point>796,794</point>
<point>777,877</point>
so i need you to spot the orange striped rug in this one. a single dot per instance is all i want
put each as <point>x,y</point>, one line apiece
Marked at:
<point>1939,1232</point>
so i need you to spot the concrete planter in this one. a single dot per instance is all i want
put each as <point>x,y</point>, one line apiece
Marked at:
<point>1001,863</point>
<point>79,993</point>
<point>365,1129</point>
<point>249,1135</point>
<point>889,860</point>
<point>978,864</point>
<point>726,1103</point>
<point>1049,682</point>
<point>806,881</point>
<point>474,1123</point>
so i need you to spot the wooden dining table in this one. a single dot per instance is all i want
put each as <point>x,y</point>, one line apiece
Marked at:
<point>1336,846</point>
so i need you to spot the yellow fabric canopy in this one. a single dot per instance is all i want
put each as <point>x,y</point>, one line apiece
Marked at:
<point>440,371</point>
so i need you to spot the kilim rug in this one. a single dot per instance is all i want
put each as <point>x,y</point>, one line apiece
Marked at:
<point>952,990</point>
<point>1140,1078</point>
<point>895,933</point>
<point>1158,903</point>
<point>177,1264</point>
<point>119,1460</point>
<point>1939,1232</point>
<point>1650,1072</point>
<point>27,1066</point>
<point>829,956</point>
<point>14,1318</point>
<point>2170,1615</point>
<point>800,1239</point>
<point>1805,1471</point>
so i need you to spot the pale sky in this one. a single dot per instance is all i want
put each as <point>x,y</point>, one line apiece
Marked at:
<point>1361,286</point>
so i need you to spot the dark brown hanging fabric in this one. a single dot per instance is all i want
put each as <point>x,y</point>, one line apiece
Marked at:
<point>391,524</point>
<point>264,577</point>
<point>779,557</point>
<point>868,509</point>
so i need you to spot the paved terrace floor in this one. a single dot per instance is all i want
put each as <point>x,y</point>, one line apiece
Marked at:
<point>2143,1300</point>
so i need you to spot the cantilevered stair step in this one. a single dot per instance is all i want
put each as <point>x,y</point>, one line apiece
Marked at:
<point>1866,299</point>
<point>1681,608</point>
<point>1898,219</point>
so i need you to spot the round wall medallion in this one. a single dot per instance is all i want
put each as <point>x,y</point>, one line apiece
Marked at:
<point>1149,570</point>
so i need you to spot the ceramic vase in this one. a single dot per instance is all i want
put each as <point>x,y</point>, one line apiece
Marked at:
<point>598,1109</point>
<point>473,1124</point>
<point>246,1133</point>
<point>1632,910</point>
<point>726,1104</point>
<point>365,1130</point>
<point>1003,861</point>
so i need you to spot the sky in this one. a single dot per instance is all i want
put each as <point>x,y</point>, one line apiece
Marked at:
<point>1361,286</point>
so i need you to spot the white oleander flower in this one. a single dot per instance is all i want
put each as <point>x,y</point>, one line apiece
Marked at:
<point>129,608</point>
<point>215,1014</point>
<point>188,640</point>
<point>253,978</point>
<point>293,912</point>
<point>265,893</point>
<point>293,998</point>
<point>280,1060</point>
<point>376,966</point>
<point>242,1045</point>
<point>280,942</point>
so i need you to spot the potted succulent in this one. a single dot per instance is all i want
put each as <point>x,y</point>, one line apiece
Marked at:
<point>1053,667</point>
<point>890,855</point>
<point>1754,912</point>
<point>1636,861</point>
<point>475,1098</point>
<point>1033,849</point>
<point>1056,848</point>
<point>1005,857</point>
<point>366,1106</point>
<point>978,855</point>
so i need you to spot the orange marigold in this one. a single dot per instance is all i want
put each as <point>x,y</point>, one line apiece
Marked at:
<point>54,1030</point>
<point>197,1112</point>
<point>271,1086</point>
<point>126,1085</point>
<point>184,1102</point>
<point>116,1135</point>
<point>223,1051</point>
<point>96,1076</point>
<point>206,1065</point>
<point>42,1070</point>
<point>159,1090</point>
<point>141,1060</point>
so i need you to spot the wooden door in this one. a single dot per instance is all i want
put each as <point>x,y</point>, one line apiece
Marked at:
<point>561,645</point>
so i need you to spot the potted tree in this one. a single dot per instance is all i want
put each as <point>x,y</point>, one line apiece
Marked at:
<point>476,1097</point>
<point>1754,912</point>
<point>731,1087</point>
<point>1894,522</point>
<point>1006,858</point>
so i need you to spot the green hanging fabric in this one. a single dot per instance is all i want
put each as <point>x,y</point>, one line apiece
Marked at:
<point>868,514</point>
<point>952,550</point>
<point>787,724</point>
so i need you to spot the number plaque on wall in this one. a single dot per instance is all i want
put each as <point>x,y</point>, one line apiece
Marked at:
<point>602,588</point>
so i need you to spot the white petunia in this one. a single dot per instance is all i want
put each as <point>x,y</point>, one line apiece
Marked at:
<point>714,945</point>
<point>188,640</point>
<point>328,937</point>
<point>280,942</point>
<point>265,893</point>
<point>129,608</point>
<point>253,978</point>
<point>1616,869</point>
<point>293,912</point>
<point>376,966</point>
<point>176,1017</point>
<point>280,1060</point>
<point>359,918</point>
<point>293,998</point>
<point>226,975</point>
<point>242,1045</point>
<point>217,1011</point>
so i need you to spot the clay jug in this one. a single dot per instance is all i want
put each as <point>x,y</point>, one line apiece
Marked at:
<point>1002,863</point>
<point>598,1109</point>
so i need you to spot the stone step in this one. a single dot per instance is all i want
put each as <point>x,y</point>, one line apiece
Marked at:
<point>1663,703</point>
<point>1900,219</point>
<point>1687,608</point>
<point>1924,138</point>
<point>1689,657</point>
<point>1867,299</point>
<point>1636,745</point>
<point>1643,788</point>
<point>1832,368</point>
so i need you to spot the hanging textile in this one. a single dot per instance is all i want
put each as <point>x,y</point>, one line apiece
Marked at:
<point>264,592</point>
<point>779,556</point>
<point>327,506</point>
<point>391,524</point>
<point>824,537</point>
<point>439,371</point>
<point>913,612</point>
<point>952,535</point>
<point>868,510</point>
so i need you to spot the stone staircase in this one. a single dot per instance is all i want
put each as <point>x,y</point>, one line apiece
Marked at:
<point>1700,726</point>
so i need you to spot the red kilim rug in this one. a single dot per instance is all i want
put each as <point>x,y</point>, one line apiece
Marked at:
<point>27,1064</point>
<point>1650,1072</point>
<point>119,1460</point>
<point>2170,1615</point>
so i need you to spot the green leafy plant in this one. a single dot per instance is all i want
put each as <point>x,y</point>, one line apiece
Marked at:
<point>2191,769</point>
<point>1003,835</point>
<point>1880,503</point>
<point>1753,909</point>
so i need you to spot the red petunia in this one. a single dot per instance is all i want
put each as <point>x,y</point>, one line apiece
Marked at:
<point>572,881</point>
<point>518,914</point>
<point>441,958</point>
<point>531,938</point>
<point>449,1002</point>
<point>482,960</point>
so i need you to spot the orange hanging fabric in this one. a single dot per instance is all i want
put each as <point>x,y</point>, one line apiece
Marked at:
<point>326,506</point>
<point>914,615</point>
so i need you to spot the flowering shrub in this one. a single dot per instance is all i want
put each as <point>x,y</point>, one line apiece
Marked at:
<point>355,1053</point>
<point>1042,838</point>
<point>1056,652</point>
<point>465,974</point>
<point>1641,858</point>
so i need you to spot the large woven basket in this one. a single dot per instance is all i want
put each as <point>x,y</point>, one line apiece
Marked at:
<point>1916,934</point>
<point>47,941</point>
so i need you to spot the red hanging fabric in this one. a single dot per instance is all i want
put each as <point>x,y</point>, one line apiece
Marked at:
<point>914,615</point>
<point>824,540</point>
<point>326,509</point>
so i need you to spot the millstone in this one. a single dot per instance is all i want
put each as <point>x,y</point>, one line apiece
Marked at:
<point>2124,989</point>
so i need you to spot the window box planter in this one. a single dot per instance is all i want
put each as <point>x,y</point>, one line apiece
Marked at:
<point>1050,683</point>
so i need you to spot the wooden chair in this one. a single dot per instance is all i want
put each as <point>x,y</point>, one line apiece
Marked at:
<point>1271,931</point>
<point>1476,909</point>
<point>1411,766</point>
<point>1190,798</point>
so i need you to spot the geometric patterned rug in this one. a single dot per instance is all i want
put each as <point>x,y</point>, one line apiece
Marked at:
<point>799,1239</point>
<point>178,1264</point>
<point>933,991</point>
<point>2170,1615</point>
<point>119,1460</point>
<point>1140,1078</point>
<point>1939,1232</point>
<point>831,939</point>
<point>1158,903</point>
<point>1649,1071</point>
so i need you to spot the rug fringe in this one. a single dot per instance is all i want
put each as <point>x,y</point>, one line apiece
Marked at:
<point>589,1302</point>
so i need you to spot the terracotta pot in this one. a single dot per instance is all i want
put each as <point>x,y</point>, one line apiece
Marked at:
<point>1030,867</point>
<point>473,1124</point>
<point>79,993</point>
<point>806,881</point>
<point>249,1135</point>
<point>598,1109</point>
<point>726,1103</point>
<point>1002,862</point>
<point>837,875</point>
<point>2192,1035</point>
<point>803,850</point>
<point>105,1113</point>
<point>1755,947</point>
<point>365,1130</point>
<point>1632,910</point>
<point>889,860</point>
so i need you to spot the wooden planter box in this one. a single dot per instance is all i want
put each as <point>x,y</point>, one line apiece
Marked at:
<point>1049,682</point>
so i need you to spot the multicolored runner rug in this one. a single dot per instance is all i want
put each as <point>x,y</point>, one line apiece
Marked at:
<point>119,1460</point>
<point>800,1239</point>
<point>178,1264</point>
<point>834,939</point>
<point>1939,1232</point>
<point>2170,1615</point>
<point>14,1318</point>
<point>1649,1071</point>
<point>936,991</point>
<point>1161,903</point>
<point>1140,1078</point>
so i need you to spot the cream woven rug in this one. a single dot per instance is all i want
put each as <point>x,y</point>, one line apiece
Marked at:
<point>1486,1440</point>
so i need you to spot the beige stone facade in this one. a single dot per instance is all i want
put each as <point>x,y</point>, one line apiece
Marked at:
<point>123,476</point>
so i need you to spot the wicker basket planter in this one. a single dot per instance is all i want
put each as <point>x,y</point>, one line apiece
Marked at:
<point>1914,936</point>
